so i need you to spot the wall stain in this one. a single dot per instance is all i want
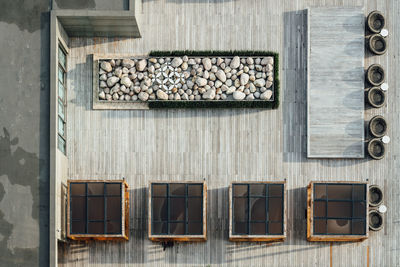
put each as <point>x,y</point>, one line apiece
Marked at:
<point>20,189</point>
<point>26,14</point>
<point>76,4</point>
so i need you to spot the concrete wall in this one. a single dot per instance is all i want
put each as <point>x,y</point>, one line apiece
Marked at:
<point>24,133</point>
<point>91,4</point>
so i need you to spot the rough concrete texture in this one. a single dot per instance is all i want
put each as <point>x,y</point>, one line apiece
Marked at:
<point>91,4</point>
<point>24,132</point>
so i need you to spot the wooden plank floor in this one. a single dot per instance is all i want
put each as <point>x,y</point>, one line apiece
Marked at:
<point>335,88</point>
<point>226,145</point>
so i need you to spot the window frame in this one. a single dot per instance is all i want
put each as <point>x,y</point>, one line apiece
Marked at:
<point>180,238</point>
<point>311,236</point>
<point>63,101</point>
<point>124,235</point>
<point>258,238</point>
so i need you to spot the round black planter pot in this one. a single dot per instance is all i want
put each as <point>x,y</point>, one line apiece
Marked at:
<point>375,196</point>
<point>375,21</point>
<point>376,149</point>
<point>375,74</point>
<point>377,44</point>
<point>375,220</point>
<point>377,126</point>
<point>376,97</point>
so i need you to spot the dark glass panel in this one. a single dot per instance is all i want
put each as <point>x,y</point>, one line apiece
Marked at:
<point>359,209</point>
<point>257,228</point>
<point>177,189</point>
<point>160,209</point>
<point>113,189</point>
<point>240,228</point>
<point>159,190</point>
<point>320,227</point>
<point>319,209</point>
<point>358,227</point>
<point>96,227</point>
<point>258,211</point>
<point>340,227</point>
<point>339,209</point>
<point>240,209</point>
<point>359,192</point>
<point>319,191</point>
<point>177,228</point>
<point>195,190</point>
<point>114,227</point>
<point>114,208</point>
<point>78,227</point>
<point>78,208</point>
<point>257,190</point>
<point>339,191</point>
<point>275,228</point>
<point>160,228</point>
<point>95,188</point>
<point>61,144</point>
<point>240,190</point>
<point>177,209</point>
<point>61,91</point>
<point>275,190</point>
<point>195,209</point>
<point>195,228</point>
<point>275,209</point>
<point>96,208</point>
<point>78,189</point>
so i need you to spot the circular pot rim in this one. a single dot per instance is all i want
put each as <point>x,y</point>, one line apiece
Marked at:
<point>369,73</point>
<point>373,228</point>
<point>371,187</point>
<point>377,157</point>
<point>372,48</point>
<point>369,21</point>
<point>370,97</point>
<point>372,131</point>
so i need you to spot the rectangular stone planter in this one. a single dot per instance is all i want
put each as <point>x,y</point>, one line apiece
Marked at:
<point>186,79</point>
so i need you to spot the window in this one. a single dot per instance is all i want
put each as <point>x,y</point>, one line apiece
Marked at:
<point>62,102</point>
<point>337,211</point>
<point>98,209</point>
<point>257,211</point>
<point>177,211</point>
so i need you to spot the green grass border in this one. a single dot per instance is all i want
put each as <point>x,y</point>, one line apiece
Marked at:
<point>154,104</point>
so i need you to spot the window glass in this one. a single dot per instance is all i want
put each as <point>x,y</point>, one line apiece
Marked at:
<point>257,209</point>
<point>91,206</point>
<point>177,209</point>
<point>61,109</point>
<point>61,127</point>
<point>61,91</point>
<point>341,209</point>
<point>61,144</point>
<point>113,189</point>
<point>61,75</point>
<point>62,58</point>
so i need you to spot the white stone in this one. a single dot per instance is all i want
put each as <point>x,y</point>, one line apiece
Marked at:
<point>235,62</point>
<point>257,94</point>
<point>230,90</point>
<point>106,66</point>
<point>244,78</point>
<point>185,96</point>
<point>221,75</point>
<point>103,84</point>
<point>176,62</point>
<point>209,95</point>
<point>200,81</point>
<point>249,61</point>
<point>219,61</point>
<point>115,96</point>
<point>259,82</point>
<point>151,69</point>
<point>206,74</point>
<point>102,95</point>
<point>112,81</point>
<point>184,66</point>
<point>250,97</point>
<point>266,95</point>
<point>143,96</point>
<point>223,96</point>
<point>238,95</point>
<point>206,63</point>
<point>214,69</point>
<point>141,65</point>
<point>103,77</point>
<point>218,84</point>
<point>191,61</point>
<point>270,67</point>
<point>126,81</point>
<point>128,63</point>
<point>268,84</point>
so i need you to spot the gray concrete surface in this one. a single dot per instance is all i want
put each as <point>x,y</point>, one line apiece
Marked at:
<point>24,132</point>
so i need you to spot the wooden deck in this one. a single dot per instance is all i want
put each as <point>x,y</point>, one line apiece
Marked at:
<point>226,145</point>
<point>335,88</point>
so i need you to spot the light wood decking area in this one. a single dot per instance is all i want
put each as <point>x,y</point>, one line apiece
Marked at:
<point>226,145</point>
<point>335,88</point>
